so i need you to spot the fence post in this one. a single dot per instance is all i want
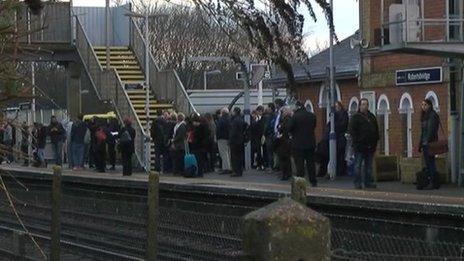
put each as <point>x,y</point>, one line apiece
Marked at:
<point>18,241</point>
<point>152,216</point>
<point>299,186</point>
<point>286,230</point>
<point>56,215</point>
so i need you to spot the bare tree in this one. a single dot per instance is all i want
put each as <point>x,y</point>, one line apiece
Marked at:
<point>261,30</point>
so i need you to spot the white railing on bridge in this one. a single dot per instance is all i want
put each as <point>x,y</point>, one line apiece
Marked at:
<point>422,21</point>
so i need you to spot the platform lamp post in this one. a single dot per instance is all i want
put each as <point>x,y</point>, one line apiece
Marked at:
<point>206,73</point>
<point>332,168</point>
<point>147,138</point>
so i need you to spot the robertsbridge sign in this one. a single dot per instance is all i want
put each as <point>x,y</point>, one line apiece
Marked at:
<point>419,76</point>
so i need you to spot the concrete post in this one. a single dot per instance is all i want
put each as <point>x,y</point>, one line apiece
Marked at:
<point>152,216</point>
<point>55,225</point>
<point>18,241</point>
<point>286,230</point>
<point>299,186</point>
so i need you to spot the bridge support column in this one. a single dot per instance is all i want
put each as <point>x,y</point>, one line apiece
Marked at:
<point>73,93</point>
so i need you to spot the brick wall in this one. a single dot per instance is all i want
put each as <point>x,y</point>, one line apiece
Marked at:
<point>350,88</point>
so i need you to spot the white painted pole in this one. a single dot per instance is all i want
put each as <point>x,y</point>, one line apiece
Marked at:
<point>246,112</point>
<point>33,90</point>
<point>147,96</point>
<point>204,80</point>
<point>260,93</point>
<point>107,33</point>
<point>332,168</point>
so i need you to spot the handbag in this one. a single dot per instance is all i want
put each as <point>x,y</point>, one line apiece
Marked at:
<point>439,146</point>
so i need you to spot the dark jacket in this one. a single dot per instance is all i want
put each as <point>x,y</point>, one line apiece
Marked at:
<point>237,132</point>
<point>180,136</point>
<point>301,128</point>
<point>341,122</point>
<point>56,132</point>
<point>256,131</point>
<point>222,128</point>
<point>41,137</point>
<point>201,137</point>
<point>78,131</point>
<point>157,133</point>
<point>364,131</point>
<point>130,147</point>
<point>112,127</point>
<point>269,122</point>
<point>430,125</point>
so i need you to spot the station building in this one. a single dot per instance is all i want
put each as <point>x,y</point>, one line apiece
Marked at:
<point>404,52</point>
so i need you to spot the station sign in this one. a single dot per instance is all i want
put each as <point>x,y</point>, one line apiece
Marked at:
<point>419,76</point>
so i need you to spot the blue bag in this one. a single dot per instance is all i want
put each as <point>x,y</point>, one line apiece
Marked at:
<point>190,164</point>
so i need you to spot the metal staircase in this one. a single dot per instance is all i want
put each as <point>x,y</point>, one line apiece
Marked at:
<point>66,39</point>
<point>123,60</point>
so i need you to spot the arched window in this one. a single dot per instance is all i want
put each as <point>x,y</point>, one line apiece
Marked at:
<point>406,109</point>
<point>383,111</point>
<point>324,95</point>
<point>431,95</point>
<point>353,105</point>
<point>309,106</point>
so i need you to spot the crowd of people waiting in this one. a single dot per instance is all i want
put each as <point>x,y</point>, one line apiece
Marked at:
<point>92,142</point>
<point>281,138</point>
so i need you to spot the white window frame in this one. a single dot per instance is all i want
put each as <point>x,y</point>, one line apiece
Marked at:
<point>353,99</point>
<point>308,102</point>
<point>409,119</point>
<point>386,123</point>
<point>370,96</point>
<point>323,104</point>
<point>434,96</point>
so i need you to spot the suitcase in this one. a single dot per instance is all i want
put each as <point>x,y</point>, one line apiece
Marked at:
<point>422,179</point>
<point>190,166</point>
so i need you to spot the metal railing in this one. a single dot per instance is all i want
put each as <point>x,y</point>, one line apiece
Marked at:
<point>418,22</point>
<point>108,86</point>
<point>51,26</point>
<point>166,85</point>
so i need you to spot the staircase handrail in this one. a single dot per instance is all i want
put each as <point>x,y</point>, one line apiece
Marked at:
<point>108,85</point>
<point>184,92</point>
<point>170,95</point>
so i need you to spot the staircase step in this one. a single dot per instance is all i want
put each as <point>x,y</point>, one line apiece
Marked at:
<point>121,63</point>
<point>117,58</point>
<point>131,76</point>
<point>114,52</point>
<point>129,72</point>
<point>111,48</point>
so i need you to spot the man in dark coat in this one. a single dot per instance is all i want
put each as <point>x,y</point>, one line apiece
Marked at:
<point>127,146</point>
<point>301,128</point>
<point>364,131</point>
<point>341,126</point>
<point>57,135</point>
<point>111,132</point>
<point>159,139</point>
<point>256,137</point>
<point>178,144</point>
<point>238,128</point>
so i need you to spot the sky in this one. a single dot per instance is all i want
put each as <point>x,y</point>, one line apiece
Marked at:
<point>346,15</point>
